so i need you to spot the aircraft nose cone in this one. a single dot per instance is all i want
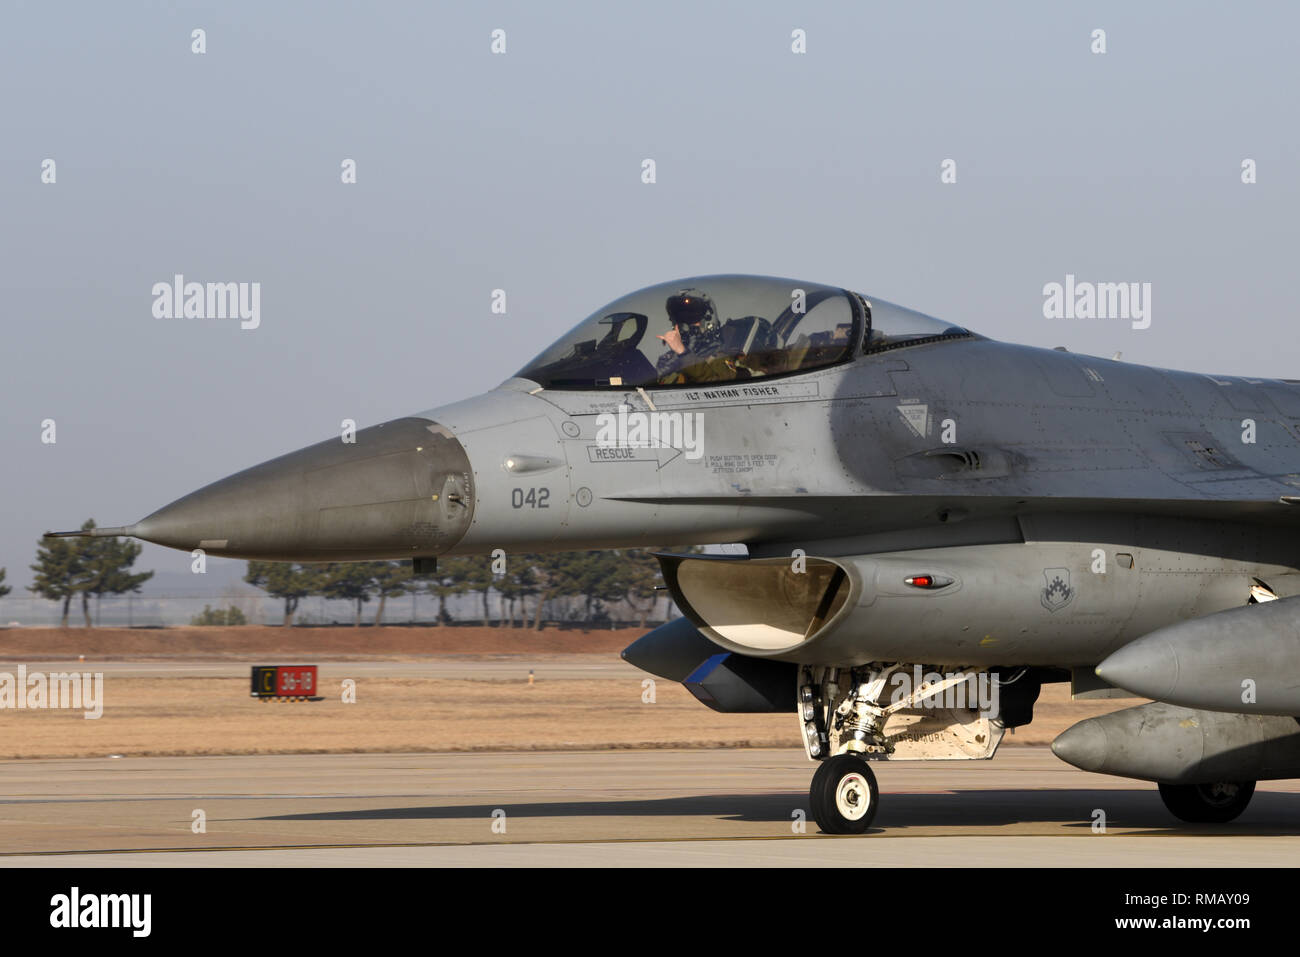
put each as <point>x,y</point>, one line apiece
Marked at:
<point>401,489</point>
<point>1084,745</point>
<point>1146,667</point>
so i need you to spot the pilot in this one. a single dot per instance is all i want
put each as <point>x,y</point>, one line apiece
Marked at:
<point>695,352</point>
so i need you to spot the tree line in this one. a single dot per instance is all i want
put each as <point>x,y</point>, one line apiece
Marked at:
<point>83,568</point>
<point>529,583</point>
<point>79,569</point>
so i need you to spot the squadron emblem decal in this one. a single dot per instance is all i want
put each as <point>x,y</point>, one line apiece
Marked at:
<point>1057,591</point>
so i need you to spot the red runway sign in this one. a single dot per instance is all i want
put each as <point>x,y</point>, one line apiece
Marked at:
<point>293,682</point>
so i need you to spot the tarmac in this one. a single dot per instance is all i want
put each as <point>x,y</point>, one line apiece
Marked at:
<point>603,809</point>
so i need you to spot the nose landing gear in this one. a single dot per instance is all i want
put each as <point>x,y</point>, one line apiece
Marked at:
<point>843,716</point>
<point>844,795</point>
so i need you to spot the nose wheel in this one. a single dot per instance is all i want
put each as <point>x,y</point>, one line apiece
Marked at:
<point>844,795</point>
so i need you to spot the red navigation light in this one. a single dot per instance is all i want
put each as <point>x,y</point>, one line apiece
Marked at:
<point>928,581</point>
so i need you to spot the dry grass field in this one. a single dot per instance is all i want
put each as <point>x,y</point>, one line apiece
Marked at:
<point>166,715</point>
<point>248,642</point>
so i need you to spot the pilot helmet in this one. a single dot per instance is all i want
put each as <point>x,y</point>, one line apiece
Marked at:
<point>692,311</point>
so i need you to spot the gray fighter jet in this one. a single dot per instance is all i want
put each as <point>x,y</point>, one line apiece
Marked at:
<point>937,523</point>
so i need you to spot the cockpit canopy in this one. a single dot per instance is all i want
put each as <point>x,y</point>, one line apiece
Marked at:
<point>722,329</point>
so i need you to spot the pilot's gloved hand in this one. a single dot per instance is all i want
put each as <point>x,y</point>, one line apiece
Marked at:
<point>673,339</point>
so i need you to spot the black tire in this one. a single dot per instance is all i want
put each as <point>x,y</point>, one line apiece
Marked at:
<point>1215,803</point>
<point>844,795</point>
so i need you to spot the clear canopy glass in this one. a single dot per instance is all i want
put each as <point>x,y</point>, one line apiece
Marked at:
<point>705,330</point>
<point>723,329</point>
<point>892,326</point>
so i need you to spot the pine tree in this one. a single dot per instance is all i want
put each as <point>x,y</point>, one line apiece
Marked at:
<point>285,580</point>
<point>58,571</point>
<point>599,578</point>
<point>104,568</point>
<point>349,581</point>
<point>518,584</point>
<point>477,576</point>
<point>452,578</point>
<point>391,580</point>
<point>641,576</point>
<point>558,574</point>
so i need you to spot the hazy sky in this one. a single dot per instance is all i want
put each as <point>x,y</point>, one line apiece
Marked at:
<point>522,171</point>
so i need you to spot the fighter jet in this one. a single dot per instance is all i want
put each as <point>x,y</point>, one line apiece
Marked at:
<point>936,524</point>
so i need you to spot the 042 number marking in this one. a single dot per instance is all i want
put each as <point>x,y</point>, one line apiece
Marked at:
<point>530,498</point>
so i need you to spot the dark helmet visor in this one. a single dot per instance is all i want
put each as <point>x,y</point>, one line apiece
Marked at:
<point>688,308</point>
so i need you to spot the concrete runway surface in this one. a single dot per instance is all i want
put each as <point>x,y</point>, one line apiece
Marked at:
<point>608,809</point>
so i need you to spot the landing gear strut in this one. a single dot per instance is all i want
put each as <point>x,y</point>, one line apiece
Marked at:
<point>843,713</point>
<point>1215,803</point>
<point>844,795</point>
